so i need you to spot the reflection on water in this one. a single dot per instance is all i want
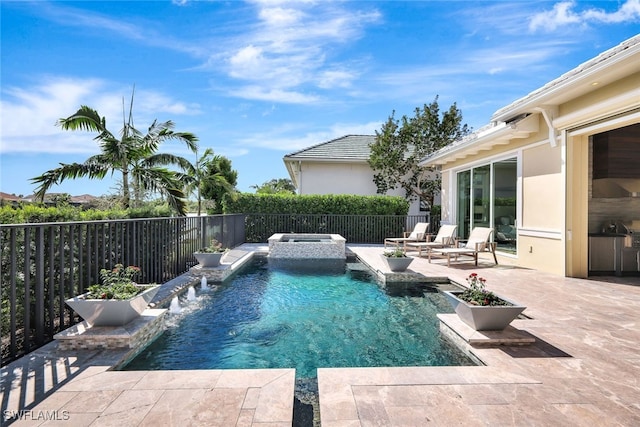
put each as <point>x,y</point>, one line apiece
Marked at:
<point>311,316</point>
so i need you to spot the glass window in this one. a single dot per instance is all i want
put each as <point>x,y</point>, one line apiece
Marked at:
<point>464,204</point>
<point>505,176</point>
<point>487,197</point>
<point>481,196</point>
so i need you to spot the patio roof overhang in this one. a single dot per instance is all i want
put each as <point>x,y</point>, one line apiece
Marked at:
<point>521,118</point>
<point>608,67</point>
<point>485,139</point>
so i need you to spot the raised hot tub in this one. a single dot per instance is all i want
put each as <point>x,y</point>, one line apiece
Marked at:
<point>299,246</point>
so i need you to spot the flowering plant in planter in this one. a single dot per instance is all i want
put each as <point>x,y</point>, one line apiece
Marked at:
<point>115,301</point>
<point>396,259</point>
<point>214,247</point>
<point>476,294</point>
<point>117,283</point>
<point>395,253</point>
<point>481,309</point>
<point>211,255</point>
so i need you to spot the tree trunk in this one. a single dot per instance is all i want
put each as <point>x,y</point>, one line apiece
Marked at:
<point>126,199</point>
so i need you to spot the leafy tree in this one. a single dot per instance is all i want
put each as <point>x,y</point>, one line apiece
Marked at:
<point>200,176</point>
<point>401,144</point>
<point>132,153</point>
<point>276,186</point>
<point>61,200</point>
<point>218,180</point>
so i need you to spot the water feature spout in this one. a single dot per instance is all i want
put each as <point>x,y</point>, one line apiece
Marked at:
<point>203,283</point>
<point>174,308</point>
<point>191,294</point>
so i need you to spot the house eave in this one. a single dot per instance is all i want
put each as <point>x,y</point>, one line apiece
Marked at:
<point>612,65</point>
<point>485,139</point>
<point>325,159</point>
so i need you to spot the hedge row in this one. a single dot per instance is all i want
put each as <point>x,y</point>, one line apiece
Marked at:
<point>29,213</point>
<point>335,204</point>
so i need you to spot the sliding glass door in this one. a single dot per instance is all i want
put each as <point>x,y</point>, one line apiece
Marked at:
<point>464,204</point>
<point>505,178</point>
<point>487,197</point>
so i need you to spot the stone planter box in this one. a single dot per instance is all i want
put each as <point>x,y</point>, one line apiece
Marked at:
<point>109,312</point>
<point>397,263</point>
<point>484,318</point>
<point>209,259</point>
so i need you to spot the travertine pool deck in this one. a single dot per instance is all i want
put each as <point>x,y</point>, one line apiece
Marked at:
<point>582,370</point>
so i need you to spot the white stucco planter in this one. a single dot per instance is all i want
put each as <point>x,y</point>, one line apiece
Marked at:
<point>397,263</point>
<point>110,312</point>
<point>209,259</point>
<point>481,317</point>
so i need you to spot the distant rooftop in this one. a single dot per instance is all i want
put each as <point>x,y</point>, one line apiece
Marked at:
<point>349,147</point>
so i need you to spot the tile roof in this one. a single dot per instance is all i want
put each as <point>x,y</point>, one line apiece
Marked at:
<point>348,147</point>
<point>11,197</point>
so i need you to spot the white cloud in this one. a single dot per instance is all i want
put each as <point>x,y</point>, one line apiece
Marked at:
<point>278,16</point>
<point>33,112</point>
<point>273,95</point>
<point>628,12</point>
<point>152,103</point>
<point>284,47</point>
<point>290,48</point>
<point>564,13</point>
<point>280,139</point>
<point>144,32</point>
<point>245,61</point>
<point>29,114</point>
<point>336,78</point>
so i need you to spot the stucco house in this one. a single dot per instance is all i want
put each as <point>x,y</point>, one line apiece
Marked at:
<point>338,166</point>
<point>557,172</point>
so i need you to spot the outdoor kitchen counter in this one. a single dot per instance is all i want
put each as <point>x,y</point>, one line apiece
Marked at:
<point>613,253</point>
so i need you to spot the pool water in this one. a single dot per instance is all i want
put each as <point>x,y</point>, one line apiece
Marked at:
<point>275,317</point>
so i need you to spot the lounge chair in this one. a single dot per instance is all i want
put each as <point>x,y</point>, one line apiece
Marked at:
<point>479,241</point>
<point>418,234</point>
<point>445,238</point>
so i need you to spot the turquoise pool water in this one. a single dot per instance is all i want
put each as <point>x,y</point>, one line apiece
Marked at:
<point>274,317</point>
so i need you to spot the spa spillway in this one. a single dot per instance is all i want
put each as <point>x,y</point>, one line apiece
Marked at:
<point>298,246</point>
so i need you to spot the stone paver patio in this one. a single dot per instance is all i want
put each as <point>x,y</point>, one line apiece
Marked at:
<point>584,369</point>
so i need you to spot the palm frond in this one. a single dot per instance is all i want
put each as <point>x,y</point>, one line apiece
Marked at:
<point>165,182</point>
<point>166,159</point>
<point>67,171</point>
<point>86,119</point>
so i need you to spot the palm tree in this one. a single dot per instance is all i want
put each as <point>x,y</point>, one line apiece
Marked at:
<point>218,181</point>
<point>197,174</point>
<point>133,154</point>
<point>276,186</point>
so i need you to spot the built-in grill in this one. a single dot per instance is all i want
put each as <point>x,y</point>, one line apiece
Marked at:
<point>617,248</point>
<point>630,230</point>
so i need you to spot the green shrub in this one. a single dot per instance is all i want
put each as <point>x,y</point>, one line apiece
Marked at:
<point>330,204</point>
<point>33,213</point>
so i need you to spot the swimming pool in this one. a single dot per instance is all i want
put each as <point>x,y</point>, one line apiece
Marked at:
<point>277,317</point>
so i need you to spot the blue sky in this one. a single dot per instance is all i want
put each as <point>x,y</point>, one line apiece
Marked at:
<point>256,80</point>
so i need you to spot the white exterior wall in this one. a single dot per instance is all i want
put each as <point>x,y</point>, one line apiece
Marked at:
<point>342,178</point>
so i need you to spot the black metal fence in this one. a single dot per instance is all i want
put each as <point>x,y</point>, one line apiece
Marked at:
<point>354,228</point>
<point>41,265</point>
